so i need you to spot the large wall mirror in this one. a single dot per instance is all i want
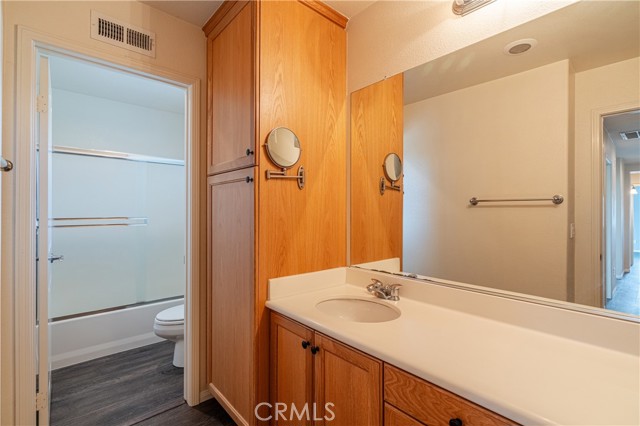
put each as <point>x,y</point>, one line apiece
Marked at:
<point>546,119</point>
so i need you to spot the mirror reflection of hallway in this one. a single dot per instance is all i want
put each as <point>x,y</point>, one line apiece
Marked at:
<point>621,239</point>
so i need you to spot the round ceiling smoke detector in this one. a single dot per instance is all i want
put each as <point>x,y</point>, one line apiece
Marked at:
<point>519,47</point>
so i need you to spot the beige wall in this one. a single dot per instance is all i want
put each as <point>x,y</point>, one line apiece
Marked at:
<point>459,145</point>
<point>390,37</point>
<point>608,86</point>
<point>180,48</point>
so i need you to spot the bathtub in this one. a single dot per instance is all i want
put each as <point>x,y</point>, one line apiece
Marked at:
<point>84,338</point>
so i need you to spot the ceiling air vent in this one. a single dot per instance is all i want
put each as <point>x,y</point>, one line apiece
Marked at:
<point>121,34</point>
<point>630,135</point>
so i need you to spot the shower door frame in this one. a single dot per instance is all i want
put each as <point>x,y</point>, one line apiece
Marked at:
<point>31,45</point>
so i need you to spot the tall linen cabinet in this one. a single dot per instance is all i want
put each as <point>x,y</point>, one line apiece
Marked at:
<point>270,64</point>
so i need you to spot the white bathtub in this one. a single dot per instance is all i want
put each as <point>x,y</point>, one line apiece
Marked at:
<point>84,338</point>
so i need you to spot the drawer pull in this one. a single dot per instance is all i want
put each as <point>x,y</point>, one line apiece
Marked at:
<point>305,344</point>
<point>249,151</point>
<point>455,422</point>
<point>315,349</point>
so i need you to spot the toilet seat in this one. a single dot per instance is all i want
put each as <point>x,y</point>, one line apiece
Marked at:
<point>171,315</point>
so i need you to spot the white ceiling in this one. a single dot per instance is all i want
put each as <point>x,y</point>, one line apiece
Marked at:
<point>627,150</point>
<point>589,33</point>
<point>95,80</point>
<point>198,12</point>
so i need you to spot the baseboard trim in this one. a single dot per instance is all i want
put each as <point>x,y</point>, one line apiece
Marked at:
<point>233,413</point>
<point>96,351</point>
<point>205,395</point>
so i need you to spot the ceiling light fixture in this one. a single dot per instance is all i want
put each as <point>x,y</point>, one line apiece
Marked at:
<point>462,7</point>
<point>519,47</point>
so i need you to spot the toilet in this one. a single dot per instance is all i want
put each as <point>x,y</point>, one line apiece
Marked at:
<point>169,324</point>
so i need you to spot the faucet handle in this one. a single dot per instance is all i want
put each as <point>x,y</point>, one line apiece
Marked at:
<point>375,285</point>
<point>394,291</point>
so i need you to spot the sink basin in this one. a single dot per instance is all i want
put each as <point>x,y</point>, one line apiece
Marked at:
<point>358,309</point>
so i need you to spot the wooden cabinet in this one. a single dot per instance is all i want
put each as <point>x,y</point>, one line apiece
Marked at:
<point>309,367</point>
<point>432,405</point>
<point>342,386</point>
<point>395,417</point>
<point>231,93</point>
<point>270,64</point>
<point>230,307</point>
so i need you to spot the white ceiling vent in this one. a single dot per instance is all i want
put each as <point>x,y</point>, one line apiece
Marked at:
<point>629,135</point>
<point>121,34</point>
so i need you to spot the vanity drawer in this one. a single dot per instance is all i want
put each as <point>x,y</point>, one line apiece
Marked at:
<point>432,405</point>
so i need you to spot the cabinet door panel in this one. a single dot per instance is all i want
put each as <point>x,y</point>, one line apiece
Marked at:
<point>291,369</point>
<point>231,80</point>
<point>395,417</point>
<point>231,291</point>
<point>348,380</point>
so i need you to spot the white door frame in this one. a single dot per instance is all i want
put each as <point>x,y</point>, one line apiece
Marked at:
<point>29,45</point>
<point>597,191</point>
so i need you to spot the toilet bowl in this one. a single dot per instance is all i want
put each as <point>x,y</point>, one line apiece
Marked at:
<point>169,324</point>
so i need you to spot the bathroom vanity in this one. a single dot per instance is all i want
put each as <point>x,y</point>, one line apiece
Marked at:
<point>451,357</point>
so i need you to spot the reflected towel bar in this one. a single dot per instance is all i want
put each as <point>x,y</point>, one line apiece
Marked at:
<point>556,199</point>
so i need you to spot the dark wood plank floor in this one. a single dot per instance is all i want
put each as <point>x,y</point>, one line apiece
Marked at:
<point>140,386</point>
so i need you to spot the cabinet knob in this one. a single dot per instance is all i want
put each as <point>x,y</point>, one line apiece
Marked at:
<point>249,151</point>
<point>455,422</point>
<point>315,349</point>
<point>305,344</point>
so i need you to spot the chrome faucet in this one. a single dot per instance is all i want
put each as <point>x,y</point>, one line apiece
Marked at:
<point>384,291</point>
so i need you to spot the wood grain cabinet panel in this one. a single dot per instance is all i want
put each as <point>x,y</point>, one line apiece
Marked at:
<point>291,367</point>
<point>231,290</point>
<point>376,130</point>
<point>340,385</point>
<point>231,139</point>
<point>269,64</point>
<point>395,417</point>
<point>432,405</point>
<point>350,381</point>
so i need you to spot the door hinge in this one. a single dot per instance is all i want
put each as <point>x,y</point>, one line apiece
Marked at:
<point>42,401</point>
<point>42,104</point>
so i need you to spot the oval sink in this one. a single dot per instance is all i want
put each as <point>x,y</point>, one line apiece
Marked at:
<point>358,310</point>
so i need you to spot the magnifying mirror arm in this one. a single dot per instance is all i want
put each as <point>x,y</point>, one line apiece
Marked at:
<point>282,174</point>
<point>384,186</point>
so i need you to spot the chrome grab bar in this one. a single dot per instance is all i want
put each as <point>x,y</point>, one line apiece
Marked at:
<point>5,165</point>
<point>556,199</point>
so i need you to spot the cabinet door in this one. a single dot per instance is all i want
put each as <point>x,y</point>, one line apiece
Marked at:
<point>231,291</point>
<point>348,385</point>
<point>291,370</point>
<point>395,417</point>
<point>231,82</point>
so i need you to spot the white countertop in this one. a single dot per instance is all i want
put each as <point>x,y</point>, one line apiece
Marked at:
<point>528,374</point>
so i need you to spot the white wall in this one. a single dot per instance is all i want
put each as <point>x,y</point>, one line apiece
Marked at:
<point>607,86</point>
<point>90,122</point>
<point>180,48</point>
<point>459,145</point>
<point>390,37</point>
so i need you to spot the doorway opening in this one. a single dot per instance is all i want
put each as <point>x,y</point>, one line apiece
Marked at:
<point>112,194</point>
<point>621,208</point>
